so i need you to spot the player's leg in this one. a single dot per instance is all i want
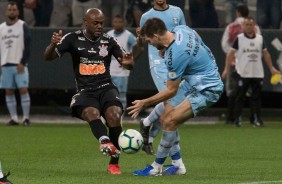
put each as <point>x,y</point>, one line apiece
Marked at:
<point>8,83</point>
<point>22,81</point>
<point>112,111</point>
<point>86,106</point>
<point>255,98</point>
<point>4,177</point>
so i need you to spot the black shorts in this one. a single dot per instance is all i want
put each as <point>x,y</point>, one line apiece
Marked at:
<point>100,99</point>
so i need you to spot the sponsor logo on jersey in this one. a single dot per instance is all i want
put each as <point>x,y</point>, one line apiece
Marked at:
<point>104,41</point>
<point>103,50</point>
<point>91,69</point>
<point>171,74</point>
<point>175,20</point>
<point>81,38</point>
<point>92,51</point>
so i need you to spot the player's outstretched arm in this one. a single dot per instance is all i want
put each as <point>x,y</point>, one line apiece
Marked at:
<point>50,53</point>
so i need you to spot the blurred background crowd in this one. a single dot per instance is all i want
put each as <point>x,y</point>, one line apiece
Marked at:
<point>198,13</point>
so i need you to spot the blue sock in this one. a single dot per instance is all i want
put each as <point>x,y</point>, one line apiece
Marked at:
<point>156,113</point>
<point>167,141</point>
<point>25,103</point>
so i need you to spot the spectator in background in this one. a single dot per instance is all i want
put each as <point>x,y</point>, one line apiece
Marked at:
<point>14,51</point>
<point>110,9</point>
<point>61,14</point>
<point>3,7</point>
<point>249,48</point>
<point>269,14</point>
<point>42,13</point>
<point>203,14</point>
<point>179,3</point>
<point>230,9</point>
<point>20,4</point>
<point>136,10</point>
<point>228,38</point>
<point>79,7</point>
<point>127,41</point>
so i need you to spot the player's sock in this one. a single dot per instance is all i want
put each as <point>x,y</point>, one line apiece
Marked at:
<point>114,133</point>
<point>25,103</point>
<point>12,106</point>
<point>154,130</point>
<point>167,141</point>
<point>154,115</point>
<point>1,174</point>
<point>99,130</point>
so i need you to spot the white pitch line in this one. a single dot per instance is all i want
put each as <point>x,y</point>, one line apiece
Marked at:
<point>262,182</point>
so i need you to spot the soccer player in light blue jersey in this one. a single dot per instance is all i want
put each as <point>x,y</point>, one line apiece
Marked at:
<point>187,58</point>
<point>172,16</point>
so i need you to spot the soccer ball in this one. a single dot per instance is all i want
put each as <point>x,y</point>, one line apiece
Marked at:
<point>130,141</point>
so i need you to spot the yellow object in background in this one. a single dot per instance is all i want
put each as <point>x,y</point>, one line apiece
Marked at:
<point>275,79</point>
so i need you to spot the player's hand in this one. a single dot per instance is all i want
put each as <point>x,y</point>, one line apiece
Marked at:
<point>136,108</point>
<point>127,61</point>
<point>56,37</point>
<point>20,68</point>
<point>274,71</point>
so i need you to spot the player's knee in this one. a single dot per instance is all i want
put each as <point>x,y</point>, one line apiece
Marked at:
<point>168,123</point>
<point>113,116</point>
<point>90,114</point>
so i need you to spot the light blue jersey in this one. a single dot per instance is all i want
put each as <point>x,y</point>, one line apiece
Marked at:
<point>172,16</point>
<point>190,59</point>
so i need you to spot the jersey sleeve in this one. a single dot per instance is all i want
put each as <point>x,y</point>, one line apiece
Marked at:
<point>27,41</point>
<point>117,49</point>
<point>182,18</point>
<point>64,45</point>
<point>175,65</point>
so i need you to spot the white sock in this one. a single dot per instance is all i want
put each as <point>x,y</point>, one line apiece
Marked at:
<point>147,122</point>
<point>178,163</point>
<point>1,174</point>
<point>157,166</point>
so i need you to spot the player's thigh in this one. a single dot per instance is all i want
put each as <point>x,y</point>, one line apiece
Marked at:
<point>22,79</point>
<point>8,77</point>
<point>173,118</point>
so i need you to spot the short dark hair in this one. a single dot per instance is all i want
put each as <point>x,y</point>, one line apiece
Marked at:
<point>12,3</point>
<point>118,16</point>
<point>153,26</point>
<point>243,10</point>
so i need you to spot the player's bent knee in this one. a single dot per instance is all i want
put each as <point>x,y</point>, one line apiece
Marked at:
<point>90,113</point>
<point>168,123</point>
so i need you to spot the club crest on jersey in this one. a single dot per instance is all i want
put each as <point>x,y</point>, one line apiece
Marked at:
<point>103,50</point>
<point>175,20</point>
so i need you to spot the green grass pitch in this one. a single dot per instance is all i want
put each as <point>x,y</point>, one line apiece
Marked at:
<point>213,154</point>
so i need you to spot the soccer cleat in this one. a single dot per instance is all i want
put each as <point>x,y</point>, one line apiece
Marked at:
<point>109,149</point>
<point>256,121</point>
<point>114,169</point>
<point>5,180</point>
<point>12,123</point>
<point>174,170</point>
<point>144,130</point>
<point>148,148</point>
<point>148,171</point>
<point>26,122</point>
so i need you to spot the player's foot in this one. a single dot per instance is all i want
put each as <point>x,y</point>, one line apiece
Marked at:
<point>174,170</point>
<point>114,169</point>
<point>12,123</point>
<point>148,148</point>
<point>108,149</point>
<point>5,180</point>
<point>26,122</point>
<point>148,171</point>
<point>144,130</point>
